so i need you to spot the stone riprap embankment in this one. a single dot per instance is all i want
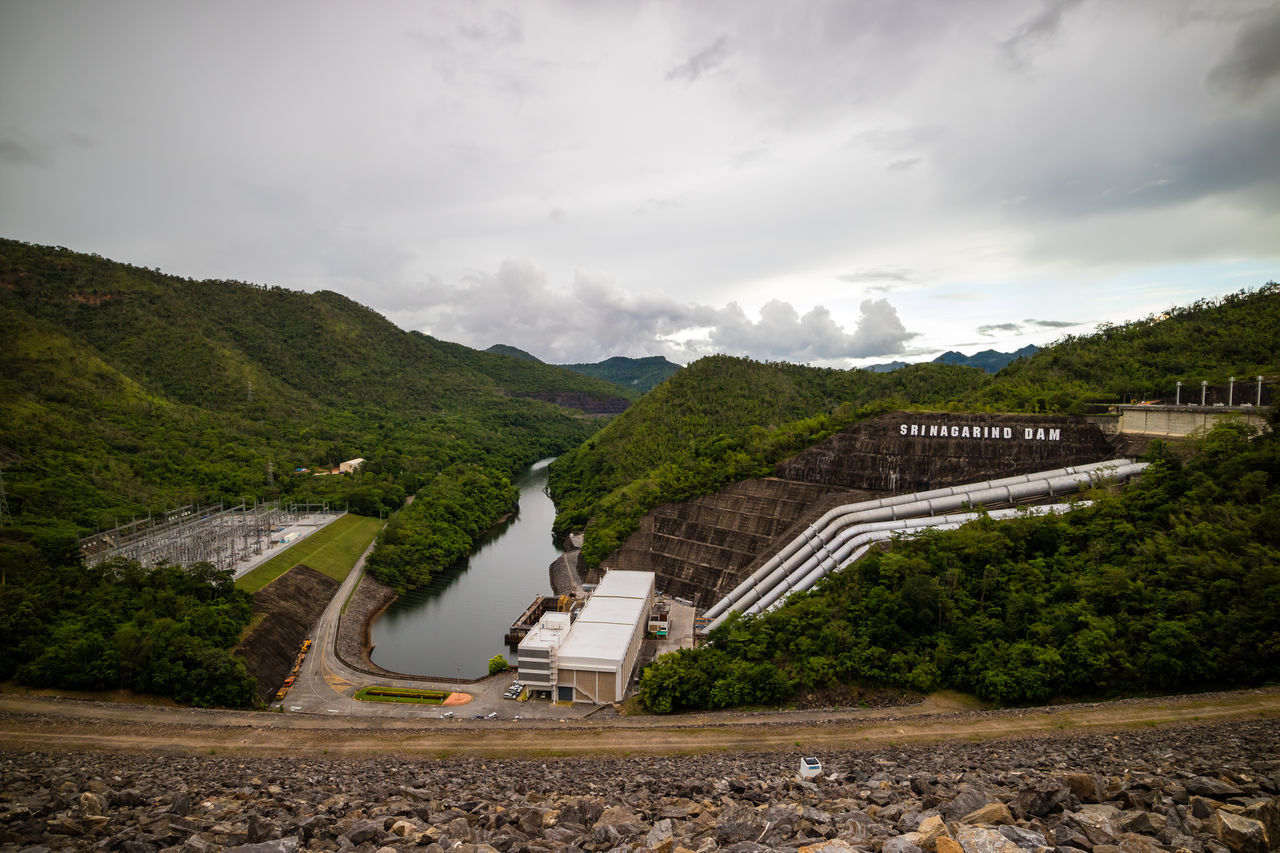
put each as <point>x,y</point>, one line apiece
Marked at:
<point>370,599</point>
<point>1199,788</point>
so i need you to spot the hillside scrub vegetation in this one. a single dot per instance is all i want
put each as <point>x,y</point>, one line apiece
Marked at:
<point>1171,584</point>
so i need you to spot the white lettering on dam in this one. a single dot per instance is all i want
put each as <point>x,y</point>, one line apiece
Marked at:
<point>997,433</point>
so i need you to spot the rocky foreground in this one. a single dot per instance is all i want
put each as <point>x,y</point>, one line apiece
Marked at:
<point>1198,788</point>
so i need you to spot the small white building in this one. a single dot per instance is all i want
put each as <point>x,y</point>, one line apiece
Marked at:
<point>536,656</point>
<point>350,466</point>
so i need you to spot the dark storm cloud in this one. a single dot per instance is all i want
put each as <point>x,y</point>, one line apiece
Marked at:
<point>1036,29</point>
<point>990,329</point>
<point>13,151</point>
<point>705,60</point>
<point>1254,60</point>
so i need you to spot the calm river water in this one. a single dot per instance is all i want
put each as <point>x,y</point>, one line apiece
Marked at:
<point>453,627</point>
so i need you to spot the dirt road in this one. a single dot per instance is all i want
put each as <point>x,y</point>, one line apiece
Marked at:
<point>28,722</point>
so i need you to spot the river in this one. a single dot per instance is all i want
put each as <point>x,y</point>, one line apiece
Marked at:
<point>456,623</point>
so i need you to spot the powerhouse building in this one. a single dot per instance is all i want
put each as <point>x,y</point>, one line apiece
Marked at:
<point>591,658</point>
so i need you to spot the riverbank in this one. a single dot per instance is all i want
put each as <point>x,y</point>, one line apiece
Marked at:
<point>354,646</point>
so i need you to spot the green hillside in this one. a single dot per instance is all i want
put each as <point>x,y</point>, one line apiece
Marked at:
<point>1210,340</point>
<point>126,390</point>
<point>513,352</point>
<point>528,377</point>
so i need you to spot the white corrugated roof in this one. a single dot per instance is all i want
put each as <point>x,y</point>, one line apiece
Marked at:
<point>624,584</point>
<point>610,609</point>
<point>595,645</point>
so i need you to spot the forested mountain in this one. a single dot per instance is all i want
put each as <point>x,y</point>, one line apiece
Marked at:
<point>641,374</point>
<point>989,360</point>
<point>125,390</point>
<point>723,419</point>
<point>634,374</point>
<point>719,420</point>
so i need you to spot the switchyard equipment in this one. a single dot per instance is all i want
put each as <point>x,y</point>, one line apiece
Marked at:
<point>213,534</point>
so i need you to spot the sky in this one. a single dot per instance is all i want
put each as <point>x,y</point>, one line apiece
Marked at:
<point>837,182</point>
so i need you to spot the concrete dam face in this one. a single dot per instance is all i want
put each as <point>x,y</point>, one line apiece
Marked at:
<point>704,548</point>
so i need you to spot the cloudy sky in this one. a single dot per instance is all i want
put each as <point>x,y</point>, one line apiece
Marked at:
<point>835,182</point>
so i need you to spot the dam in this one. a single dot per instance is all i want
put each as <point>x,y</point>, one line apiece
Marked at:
<point>703,548</point>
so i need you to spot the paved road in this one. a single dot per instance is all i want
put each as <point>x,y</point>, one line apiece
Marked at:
<point>325,685</point>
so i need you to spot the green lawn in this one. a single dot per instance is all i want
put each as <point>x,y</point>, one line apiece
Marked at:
<point>402,694</point>
<point>332,551</point>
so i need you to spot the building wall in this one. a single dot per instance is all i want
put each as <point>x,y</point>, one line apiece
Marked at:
<point>601,686</point>
<point>535,668</point>
<point>1184,420</point>
<point>598,687</point>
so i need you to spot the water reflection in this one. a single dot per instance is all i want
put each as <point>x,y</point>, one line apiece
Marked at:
<point>455,624</point>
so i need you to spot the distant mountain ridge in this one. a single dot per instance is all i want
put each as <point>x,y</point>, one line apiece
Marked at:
<point>992,361</point>
<point>636,374</point>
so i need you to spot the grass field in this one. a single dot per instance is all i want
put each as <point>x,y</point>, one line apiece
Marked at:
<point>332,551</point>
